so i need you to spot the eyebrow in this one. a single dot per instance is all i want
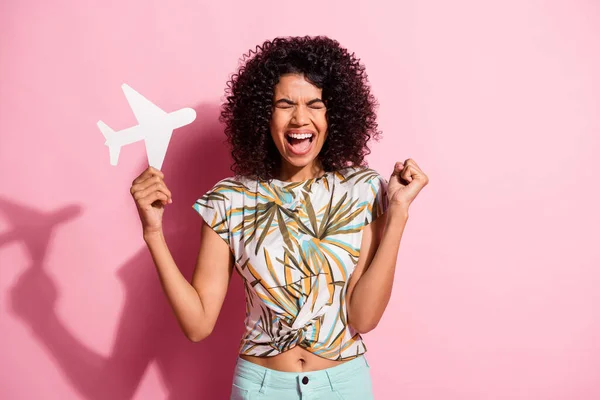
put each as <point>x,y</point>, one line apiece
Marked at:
<point>290,102</point>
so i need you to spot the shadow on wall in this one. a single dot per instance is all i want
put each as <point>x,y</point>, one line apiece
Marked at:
<point>147,330</point>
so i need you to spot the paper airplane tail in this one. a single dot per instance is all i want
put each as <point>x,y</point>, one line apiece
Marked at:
<point>113,149</point>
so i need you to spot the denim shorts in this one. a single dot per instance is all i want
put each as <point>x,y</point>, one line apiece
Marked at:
<point>348,381</point>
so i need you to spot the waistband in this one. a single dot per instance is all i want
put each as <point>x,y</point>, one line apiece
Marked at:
<point>329,377</point>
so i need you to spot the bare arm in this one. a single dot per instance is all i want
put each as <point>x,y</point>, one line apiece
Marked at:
<point>196,305</point>
<point>370,287</point>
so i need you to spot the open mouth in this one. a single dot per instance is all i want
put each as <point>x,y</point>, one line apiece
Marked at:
<point>299,142</point>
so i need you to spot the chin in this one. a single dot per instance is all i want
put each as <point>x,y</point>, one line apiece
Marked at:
<point>300,162</point>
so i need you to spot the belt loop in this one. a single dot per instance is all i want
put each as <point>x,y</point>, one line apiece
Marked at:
<point>366,362</point>
<point>265,381</point>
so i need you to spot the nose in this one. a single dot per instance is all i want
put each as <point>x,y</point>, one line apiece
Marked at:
<point>300,115</point>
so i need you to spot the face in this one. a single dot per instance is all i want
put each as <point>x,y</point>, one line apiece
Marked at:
<point>298,122</point>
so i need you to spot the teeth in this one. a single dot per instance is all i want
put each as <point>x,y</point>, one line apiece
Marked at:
<point>300,135</point>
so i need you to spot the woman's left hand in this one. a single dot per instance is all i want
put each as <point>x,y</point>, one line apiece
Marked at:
<point>406,182</point>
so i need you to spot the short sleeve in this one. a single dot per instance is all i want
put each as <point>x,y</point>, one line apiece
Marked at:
<point>377,201</point>
<point>214,207</point>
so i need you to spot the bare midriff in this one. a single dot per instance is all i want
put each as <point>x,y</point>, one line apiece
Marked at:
<point>296,359</point>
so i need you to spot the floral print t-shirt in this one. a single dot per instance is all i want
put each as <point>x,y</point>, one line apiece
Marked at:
<point>295,246</point>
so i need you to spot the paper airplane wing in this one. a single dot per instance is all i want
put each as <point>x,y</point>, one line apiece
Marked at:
<point>144,109</point>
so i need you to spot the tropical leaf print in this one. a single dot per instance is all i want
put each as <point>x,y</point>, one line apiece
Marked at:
<point>296,246</point>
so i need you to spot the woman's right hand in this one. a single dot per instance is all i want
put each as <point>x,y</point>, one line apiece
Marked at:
<point>151,195</point>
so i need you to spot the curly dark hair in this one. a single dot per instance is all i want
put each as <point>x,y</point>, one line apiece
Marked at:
<point>246,112</point>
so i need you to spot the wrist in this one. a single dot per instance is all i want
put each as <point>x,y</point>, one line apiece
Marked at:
<point>153,236</point>
<point>397,212</point>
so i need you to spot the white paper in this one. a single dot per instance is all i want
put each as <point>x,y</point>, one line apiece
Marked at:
<point>155,127</point>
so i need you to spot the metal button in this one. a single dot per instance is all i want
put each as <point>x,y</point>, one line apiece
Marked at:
<point>305,380</point>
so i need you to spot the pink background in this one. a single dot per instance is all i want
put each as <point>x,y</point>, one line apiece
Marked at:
<point>497,288</point>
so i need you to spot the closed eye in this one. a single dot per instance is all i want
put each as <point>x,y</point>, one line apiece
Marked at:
<point>315,104</point>
<point>284,103</point>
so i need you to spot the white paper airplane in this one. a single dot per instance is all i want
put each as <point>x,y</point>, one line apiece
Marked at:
<point>155,127</point>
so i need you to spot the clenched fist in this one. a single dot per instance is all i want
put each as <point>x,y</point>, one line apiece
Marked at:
<point>406,182</point>
<point>151,195</point>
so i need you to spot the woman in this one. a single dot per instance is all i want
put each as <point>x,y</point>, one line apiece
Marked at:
<point>312,231</point>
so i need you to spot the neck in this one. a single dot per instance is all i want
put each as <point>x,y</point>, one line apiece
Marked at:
<point>292,173</point>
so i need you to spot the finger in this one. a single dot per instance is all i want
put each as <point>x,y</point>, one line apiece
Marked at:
<point>151,198</point>
<point>413,173</point>
<point>152,188</point>
<point>149,172</point>
<point>140,194</point>
<point>150,182</point>
<point>142,177</point>
<point>408,173</point>
<point>412,162</point>
<point>398,166</point>
<point>157,172</point>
